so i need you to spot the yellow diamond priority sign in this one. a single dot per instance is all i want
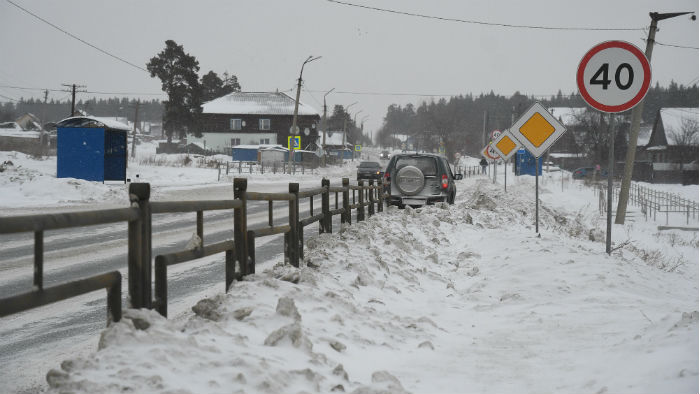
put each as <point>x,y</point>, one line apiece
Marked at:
<point>505,145</point>
<point>537,130</point>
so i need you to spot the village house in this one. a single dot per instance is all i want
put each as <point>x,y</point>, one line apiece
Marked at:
<point>673,146</point>
<point>254,118</point>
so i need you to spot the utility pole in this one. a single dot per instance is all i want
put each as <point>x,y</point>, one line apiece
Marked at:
<point>345,127</point>
<point>483,136</point>
<point>43,110</point>
<point>73,88</point>
<point>133,136</point>
<point>295,130</point>
<point>636,118</point>
<point>354,124</point>
<point>325,129</point>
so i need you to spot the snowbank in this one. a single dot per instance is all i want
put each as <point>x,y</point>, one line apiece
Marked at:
<point>462,298</point>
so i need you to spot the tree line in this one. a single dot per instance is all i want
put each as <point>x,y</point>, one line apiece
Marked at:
<point>463,123</point>
<point>55,110</point>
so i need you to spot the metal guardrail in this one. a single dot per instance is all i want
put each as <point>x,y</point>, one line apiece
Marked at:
<point>240,251</point>
<point>652,202</point>
<point>274,167</point>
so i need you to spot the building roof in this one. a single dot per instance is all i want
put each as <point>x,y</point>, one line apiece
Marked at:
<point>679,121</point>
<point>568,116</point>
<point>256,103</point>
<point>333,138</point>
<point>93,121</point>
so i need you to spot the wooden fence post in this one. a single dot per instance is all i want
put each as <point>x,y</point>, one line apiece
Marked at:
<point>251,252</point>
<point>140,248</point>
<point>293,238</point>
<point>240,224</point>
<point>371,190</point>
<point>361,201</point>
<point>326,222</point>
<point>346,217</point>
<point>380,194</point>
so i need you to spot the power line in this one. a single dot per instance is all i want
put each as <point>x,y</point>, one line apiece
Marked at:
<point>128,93</point>
<point>75,37</point>
<point>476,22</point>
<point>85,91</point>
<point>9,98</point>
<point>676,46</point>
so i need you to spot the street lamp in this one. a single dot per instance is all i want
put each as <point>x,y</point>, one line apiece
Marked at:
<point>354,124</point>
<point>636,118</point>
<point>295,129</point>
<point>325,128</point>
<point>345,127</point>
<point>362,127</point>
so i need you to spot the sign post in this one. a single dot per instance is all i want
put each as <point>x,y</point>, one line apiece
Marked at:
<point>506,146</point>
<point>613,77</point>
<point>537,130</point>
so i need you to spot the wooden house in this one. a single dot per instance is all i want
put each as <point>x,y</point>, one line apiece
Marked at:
<point>254,118</point>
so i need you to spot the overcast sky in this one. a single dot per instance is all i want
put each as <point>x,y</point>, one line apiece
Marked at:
<point>264,43</point>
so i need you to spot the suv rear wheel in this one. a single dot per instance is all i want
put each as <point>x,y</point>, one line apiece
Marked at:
<point>410,180</point>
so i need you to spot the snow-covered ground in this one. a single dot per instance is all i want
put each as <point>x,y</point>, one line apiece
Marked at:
<point>461,298</point>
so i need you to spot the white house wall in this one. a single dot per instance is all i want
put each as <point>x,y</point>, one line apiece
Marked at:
<point>221,142</point>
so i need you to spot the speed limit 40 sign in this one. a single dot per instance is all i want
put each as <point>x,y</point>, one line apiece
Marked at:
<point>613,76</point>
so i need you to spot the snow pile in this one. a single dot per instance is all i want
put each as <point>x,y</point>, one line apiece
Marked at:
<point>462,298</point>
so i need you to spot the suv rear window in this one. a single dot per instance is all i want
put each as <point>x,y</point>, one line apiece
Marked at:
<point>427,165</point>
<point>369,164</point>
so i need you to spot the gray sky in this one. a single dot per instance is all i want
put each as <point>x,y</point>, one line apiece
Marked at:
<point>264,43</point>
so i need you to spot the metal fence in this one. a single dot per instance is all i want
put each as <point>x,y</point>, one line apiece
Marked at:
<point>651,202</point>
<point>240,251</point>
<point>270,167</point>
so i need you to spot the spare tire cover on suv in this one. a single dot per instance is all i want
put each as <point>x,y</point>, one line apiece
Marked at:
<point>410,180</point>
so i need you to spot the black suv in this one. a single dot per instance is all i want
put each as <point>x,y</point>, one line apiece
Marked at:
<point>418,179</point>
<point>369,170</point>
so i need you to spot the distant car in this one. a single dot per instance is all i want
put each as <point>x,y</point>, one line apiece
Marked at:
<point>588,173</point>
<point>385,155</point>
<point>369,170</point>
<point>417,179</point>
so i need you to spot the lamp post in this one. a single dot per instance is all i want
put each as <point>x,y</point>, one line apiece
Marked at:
<point>295,130</point>
<point>636,118</point>
<point>325,129</point>
<point>362,125</point>
<point>354,124</point>
<point>345,127</point>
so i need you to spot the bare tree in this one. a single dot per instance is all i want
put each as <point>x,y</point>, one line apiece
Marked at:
<point>685,139</point>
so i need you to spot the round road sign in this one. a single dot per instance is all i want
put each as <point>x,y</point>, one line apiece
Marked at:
<point>613,76</point>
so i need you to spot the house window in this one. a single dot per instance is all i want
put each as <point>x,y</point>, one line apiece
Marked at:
<point>236,124</point>
<point>264,124</point>
<point>235,141</point>
<point>264,141</point>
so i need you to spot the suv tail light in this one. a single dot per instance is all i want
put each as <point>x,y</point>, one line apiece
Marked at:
<point>387,179</point>
<point>444,181</point>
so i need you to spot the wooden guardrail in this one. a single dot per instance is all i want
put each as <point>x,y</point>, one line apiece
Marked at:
<point>240,251</point>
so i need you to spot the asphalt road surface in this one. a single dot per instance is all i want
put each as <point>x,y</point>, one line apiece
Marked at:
<point>36,340</point>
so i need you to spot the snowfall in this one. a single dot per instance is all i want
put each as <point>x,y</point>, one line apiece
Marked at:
<point>462,298</point>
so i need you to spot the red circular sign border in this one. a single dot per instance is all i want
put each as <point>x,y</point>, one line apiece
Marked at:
<point>614,108</point>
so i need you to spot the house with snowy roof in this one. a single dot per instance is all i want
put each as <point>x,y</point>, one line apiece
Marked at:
<point>255,118</point>
<point>570,142</point>
<point>673,145</point>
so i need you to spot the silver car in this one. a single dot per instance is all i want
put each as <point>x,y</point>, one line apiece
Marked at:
<point>418,179</point>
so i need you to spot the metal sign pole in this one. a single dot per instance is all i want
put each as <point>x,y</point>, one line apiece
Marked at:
<point>494,172</point>
<point>505,175</point>
<point>537,196</point>
<point>611,167</point>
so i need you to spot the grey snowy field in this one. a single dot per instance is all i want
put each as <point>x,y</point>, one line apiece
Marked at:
<point>461,298</point>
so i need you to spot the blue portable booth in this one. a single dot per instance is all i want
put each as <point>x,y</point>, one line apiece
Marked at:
<point>525,163</point>
<point>245,153</point>
<point>91,148</point>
